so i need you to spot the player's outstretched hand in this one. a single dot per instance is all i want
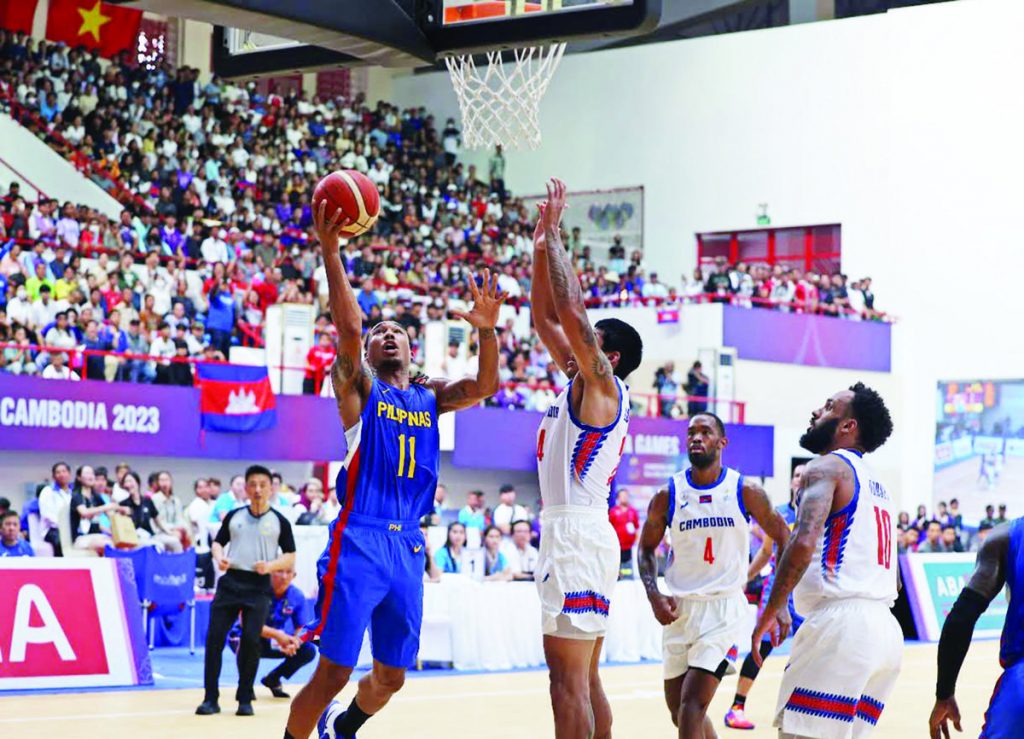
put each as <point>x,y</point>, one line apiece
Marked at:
<point>552,213</point>
<point>666,610</point>
<point>539,240</point>
<point>943,712</point>
<point>328,228</point>
<point>487,300</point>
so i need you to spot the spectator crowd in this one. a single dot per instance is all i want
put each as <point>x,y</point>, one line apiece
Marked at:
<point>944,530</point>
<point>216,181</point>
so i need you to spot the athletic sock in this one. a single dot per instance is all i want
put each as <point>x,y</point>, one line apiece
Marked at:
<point>739,701</point>
<point>351,721</point>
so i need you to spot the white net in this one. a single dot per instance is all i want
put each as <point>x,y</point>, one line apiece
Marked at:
<point>500,101</point>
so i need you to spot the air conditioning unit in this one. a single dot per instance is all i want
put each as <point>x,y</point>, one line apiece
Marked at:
<point>288,335</point>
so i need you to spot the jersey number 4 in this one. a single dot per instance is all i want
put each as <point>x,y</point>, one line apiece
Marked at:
<point>884,524</point>
<point>709,552</point>
<point>402,455</point>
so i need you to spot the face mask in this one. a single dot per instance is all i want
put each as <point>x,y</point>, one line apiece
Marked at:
<point>22,294</point>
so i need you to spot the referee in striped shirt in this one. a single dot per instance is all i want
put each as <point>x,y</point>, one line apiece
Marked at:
<point>246,551</point>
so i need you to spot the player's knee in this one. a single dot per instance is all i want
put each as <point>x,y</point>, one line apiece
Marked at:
<point>330,679</point>
<point>388,679</point>
<point>569,688</point>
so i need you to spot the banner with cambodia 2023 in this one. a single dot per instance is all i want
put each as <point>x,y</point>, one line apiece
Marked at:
<point>494,438</point>
<point>164,420</point>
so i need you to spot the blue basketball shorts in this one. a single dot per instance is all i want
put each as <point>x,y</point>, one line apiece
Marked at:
<point>1005,711</point>
<point>371,576</point>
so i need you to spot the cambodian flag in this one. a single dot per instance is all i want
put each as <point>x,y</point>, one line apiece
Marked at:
<point>235,398</point>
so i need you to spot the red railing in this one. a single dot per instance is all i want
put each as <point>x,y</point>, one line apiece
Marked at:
<point>732,411</point>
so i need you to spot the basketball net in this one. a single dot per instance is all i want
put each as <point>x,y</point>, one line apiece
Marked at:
<point>500,101</point>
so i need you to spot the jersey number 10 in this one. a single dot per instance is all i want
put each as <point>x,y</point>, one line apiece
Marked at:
<point>884,524</point>
<point>401,455</point>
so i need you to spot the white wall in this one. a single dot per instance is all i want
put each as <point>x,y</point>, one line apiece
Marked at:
<point>39,167</point>
<point>904,127</point>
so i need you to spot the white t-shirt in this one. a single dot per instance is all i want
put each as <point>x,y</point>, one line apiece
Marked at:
<point>504,515</point>
<point>520,561</point>
<point>64,373</point>
<point>198,513</point>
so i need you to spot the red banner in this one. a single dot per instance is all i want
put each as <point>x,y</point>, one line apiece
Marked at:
<point>110,29</point>
<point>49,624</point>
<point>17,15</point>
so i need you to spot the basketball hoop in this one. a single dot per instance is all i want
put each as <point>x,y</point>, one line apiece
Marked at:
<point>500,103</point>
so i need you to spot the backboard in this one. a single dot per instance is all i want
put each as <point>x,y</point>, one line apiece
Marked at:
<point>262,37</point>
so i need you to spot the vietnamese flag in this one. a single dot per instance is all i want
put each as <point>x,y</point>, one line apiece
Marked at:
<point>110,29</point>
<point>17,15</point>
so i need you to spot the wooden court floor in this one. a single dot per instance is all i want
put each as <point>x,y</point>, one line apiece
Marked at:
<point>485,706</point>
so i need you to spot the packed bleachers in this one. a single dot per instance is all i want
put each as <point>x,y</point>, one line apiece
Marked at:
<point>216,181</point>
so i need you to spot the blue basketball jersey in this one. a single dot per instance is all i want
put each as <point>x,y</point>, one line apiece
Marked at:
<point>1011,646</point>
<point>390,471</point>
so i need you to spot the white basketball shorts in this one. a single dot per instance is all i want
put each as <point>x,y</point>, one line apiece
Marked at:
<point>845,661</point>
<point>577,571</point>
<point>706,633</point>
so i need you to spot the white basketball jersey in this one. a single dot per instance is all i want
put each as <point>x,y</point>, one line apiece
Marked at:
<point>710,537</point>
<point>576,463</point>
<point>855,557</point>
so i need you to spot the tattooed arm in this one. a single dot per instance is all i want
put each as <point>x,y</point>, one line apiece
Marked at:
<point>542,305</point>
<point>822,479</point>
<point>665,609</point>
<point>465,392</point>
<point>598,396</point>
<point>350,377</point>
<point>759,506</point>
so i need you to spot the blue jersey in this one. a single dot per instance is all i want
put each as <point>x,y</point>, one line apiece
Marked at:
<point>391,468</point>
<point>788,513</point>
<point>1011,646</point>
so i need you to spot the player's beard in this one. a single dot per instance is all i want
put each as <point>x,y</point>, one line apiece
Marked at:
<point>702,460</point>
<point>818,438</point>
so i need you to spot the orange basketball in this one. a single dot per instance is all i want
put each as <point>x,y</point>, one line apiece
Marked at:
<point>354,194</point>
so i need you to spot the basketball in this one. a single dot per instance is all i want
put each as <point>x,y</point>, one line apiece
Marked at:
<point>354,194</point>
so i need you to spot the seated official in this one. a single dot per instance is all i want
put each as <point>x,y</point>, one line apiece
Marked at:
<point>449,557</point>
<point>11,543</point>
<point>522,556</point>
<point>495,566</point>
<point>289,612</point>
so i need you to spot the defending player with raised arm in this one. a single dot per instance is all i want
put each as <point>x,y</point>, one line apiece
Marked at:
<point>840,565</point>
<point>1000,563</point>
<point>371,573</point>
<point>579,445</point>
<point>706,511</point>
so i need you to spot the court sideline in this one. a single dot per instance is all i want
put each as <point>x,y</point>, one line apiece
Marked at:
<point>485,706</point>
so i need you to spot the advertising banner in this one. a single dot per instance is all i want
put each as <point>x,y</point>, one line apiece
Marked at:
<point>798,338</point>
<point>163,420</point>
<point>494,438</point>
<point>988,445</point>
<point>934,582</point>
<point>601,216</point>
<point>70,623</point>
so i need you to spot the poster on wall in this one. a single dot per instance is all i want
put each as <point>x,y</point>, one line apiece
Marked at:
<point>602,216</point>
<point>934,582</point>
<point>979,446</point>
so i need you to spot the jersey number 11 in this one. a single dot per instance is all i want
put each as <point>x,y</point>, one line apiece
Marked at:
<point>401,455</point>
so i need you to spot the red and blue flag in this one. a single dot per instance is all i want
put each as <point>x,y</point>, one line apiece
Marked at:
<point>235,398</point>
<point>705,498</point>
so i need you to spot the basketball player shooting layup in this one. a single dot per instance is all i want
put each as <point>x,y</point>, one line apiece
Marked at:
<point>706,509</point>
<point>840,564</point>
<point>579,445</point>
<point>1000,562</point>
<point>371,573</point>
